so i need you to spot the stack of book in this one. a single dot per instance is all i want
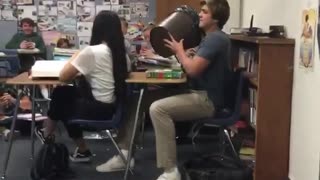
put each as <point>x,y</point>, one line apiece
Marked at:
<point>164,74</point>
<point>63,54</point>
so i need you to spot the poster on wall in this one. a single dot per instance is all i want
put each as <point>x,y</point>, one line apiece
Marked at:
<point>102,8</point>
<point>24,2</point>
<point>27,12</point>
<point>84,28</point>
<point>139,10</point>
<point>8,10</point>
<point>67,25</point>
<point>66,9</point>
<point>47,23</point>
<point>84,41</point>
<point>307,39</point>
<point>48,8</point>
<point>86,13</point>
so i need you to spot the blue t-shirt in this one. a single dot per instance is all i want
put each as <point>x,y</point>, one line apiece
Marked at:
<point>215,48</point>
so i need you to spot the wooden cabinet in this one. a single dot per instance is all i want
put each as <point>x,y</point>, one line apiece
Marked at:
<point>274,58</point>
<point>166,7</point>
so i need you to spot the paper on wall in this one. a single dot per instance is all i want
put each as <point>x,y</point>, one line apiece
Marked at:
<point>84,28</point>
<point>83,42</point>
<point>67,25</point>
<point>48,8</point>
<point>47,23</point>
<point>27,12</point>
<point>66,9</point>
<point>86,13</point>
<point>102,8</point>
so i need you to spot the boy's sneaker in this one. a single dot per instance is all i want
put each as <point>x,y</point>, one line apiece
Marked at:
<point>7,133</point>
<point>174,175</point>
<point>114,164</point>
<point>44,140</point>
<point>80,157</point>
<point>40,134</point>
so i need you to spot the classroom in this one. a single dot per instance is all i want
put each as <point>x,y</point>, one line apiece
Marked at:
<point>159,89</point>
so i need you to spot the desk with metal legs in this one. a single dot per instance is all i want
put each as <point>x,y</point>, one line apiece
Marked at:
<point>22,80</point>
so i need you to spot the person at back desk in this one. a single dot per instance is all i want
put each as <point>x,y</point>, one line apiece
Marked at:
<point>27,39</point>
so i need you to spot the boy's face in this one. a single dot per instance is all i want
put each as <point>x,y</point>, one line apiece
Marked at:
<point>205,16</point>
<point>124,28</point>
<point>146,35</point>
<point>64,45</point>
<point>27,28</point>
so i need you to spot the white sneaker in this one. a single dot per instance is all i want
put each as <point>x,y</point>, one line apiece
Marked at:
<point>174,175</point>
<point>114,164</point>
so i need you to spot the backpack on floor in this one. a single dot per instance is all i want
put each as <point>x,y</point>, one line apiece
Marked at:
<point>216,167</point>
<point>51,163</point>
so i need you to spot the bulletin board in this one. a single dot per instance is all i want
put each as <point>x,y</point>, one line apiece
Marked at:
<point>72,19</point>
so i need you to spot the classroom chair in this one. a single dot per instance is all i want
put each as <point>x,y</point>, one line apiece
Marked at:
<point>225,117</point>
<point>13,60</point>
<point>108,125</point>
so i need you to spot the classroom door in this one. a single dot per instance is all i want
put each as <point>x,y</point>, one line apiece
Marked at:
<point>166,7</point>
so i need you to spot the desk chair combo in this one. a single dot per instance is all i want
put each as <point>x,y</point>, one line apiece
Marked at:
<point>110,124</point>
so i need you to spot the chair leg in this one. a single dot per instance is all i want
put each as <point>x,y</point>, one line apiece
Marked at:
<point>33,123</point>
<point>231,144</point>
<point>134,131</point>
<point>141,138</point>
<point>118,149</point>
<point>7,157</point>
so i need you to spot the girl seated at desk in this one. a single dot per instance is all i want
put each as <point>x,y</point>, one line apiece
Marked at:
<point>103,65</point>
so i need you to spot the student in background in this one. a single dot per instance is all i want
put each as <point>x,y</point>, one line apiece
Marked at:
<point>209,71</point>
<point>7,105</point>
<point>103,70</point>
<point>63,43</point>
<point>124,28</point>
<point>146,48</point>
<point>27,39</point>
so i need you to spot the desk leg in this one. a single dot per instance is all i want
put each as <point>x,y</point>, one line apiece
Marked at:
<point>133,133</point>
<point>13,125</point>
<point>33,120</point>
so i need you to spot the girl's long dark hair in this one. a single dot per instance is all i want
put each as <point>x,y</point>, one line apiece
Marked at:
<point>107,29</point>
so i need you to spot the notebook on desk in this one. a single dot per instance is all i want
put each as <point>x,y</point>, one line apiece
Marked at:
<point>47,69</point>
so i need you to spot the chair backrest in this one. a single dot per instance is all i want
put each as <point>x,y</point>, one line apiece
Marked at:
<point>239,94</point>
<point>231,113</point>
<point>117,118</point>
<point>13,60</point>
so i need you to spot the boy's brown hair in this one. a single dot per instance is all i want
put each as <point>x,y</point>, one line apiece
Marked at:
<point>220,10</point>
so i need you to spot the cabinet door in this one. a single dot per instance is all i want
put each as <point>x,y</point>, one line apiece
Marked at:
<point>166,7</point>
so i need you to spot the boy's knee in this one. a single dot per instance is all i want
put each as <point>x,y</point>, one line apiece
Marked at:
<point>156,108</point>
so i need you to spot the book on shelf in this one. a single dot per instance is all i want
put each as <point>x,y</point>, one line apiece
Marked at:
<point>247,61</point>
<point>253,106</point>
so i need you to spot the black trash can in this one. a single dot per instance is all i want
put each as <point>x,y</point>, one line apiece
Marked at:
<point>183,23</point>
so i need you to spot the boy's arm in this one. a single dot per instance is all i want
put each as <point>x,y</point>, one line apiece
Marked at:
<point>41,46</point>
<point>14,43</point>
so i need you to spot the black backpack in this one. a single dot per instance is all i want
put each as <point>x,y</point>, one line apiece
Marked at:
<point>51,163</point>
<point>216,167</point>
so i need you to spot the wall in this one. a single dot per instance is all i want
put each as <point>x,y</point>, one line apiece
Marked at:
<point>9,28</point>
<point>305,122</point>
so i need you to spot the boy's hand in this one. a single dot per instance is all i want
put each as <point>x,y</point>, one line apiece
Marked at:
<point>7,99</point>
<point>24,45</point>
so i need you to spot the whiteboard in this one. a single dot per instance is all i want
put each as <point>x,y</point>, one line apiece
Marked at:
<point>235,15</point>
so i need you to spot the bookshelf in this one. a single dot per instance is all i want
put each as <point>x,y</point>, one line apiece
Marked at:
<point>272,82</point>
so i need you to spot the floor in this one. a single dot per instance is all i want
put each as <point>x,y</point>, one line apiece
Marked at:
<point>145,169</point>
